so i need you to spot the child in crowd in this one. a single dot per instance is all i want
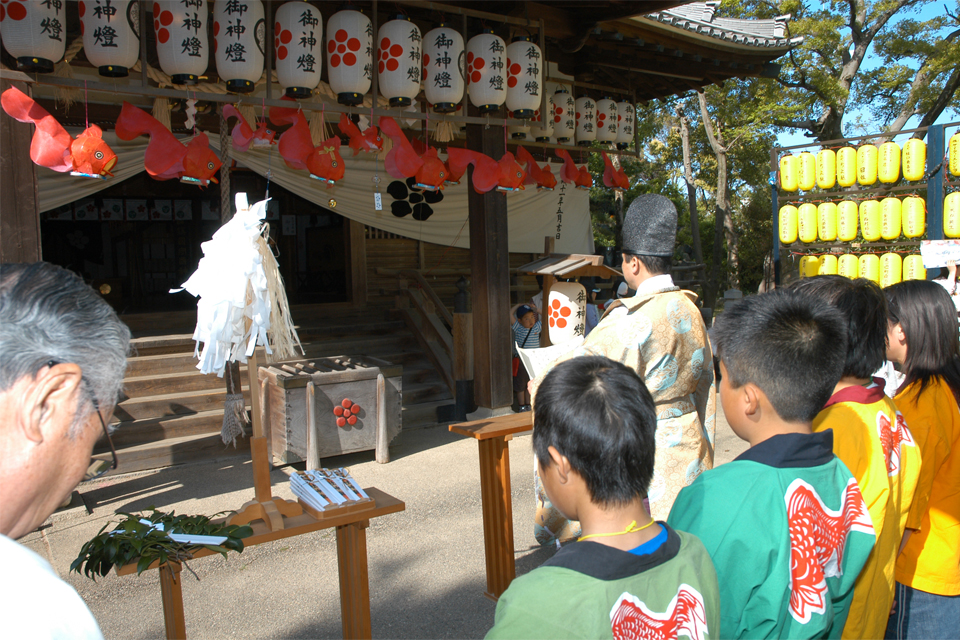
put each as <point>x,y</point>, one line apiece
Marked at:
<point>784,522</point>
<point>922,339</point>
<point>628,576</point>
<point>871,437</point>
<point>526,334</point>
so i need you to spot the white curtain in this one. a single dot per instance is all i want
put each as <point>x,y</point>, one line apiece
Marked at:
<point>563,213</point>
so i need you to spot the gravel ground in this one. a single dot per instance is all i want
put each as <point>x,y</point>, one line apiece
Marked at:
<point>426,564</point>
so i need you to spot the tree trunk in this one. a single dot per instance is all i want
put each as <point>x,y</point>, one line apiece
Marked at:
<point>691,189</point>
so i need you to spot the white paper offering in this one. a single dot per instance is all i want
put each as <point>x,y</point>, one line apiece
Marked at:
<point>566,312</point>
<point>937,253</point>
<point>536,361</point>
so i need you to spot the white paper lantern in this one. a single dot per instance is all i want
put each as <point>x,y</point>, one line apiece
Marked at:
<point>541,128</point>
<point>33,33</point>
<point>443,65</point>
<point>349,55</point>
<point>239,35</point>
<point>565,315</point>
<point>111,35</point>
<point>586,121</point>
<point>524,77</point>
<point>564,115</point>
<point>486,70</point>
<point>606,122</point>
<point>298,43</point>
<point>182,42</point>
<point>398,61</point>
<point>626,117</point>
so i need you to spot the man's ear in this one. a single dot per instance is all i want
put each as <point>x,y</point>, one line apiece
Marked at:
<point>50,401</point>
<point>561,462</point>
<point>751,398</point>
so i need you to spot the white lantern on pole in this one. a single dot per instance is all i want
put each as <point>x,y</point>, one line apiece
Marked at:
<point>565,312</point>
<point>586,121</point>
<point>564,115</point>
<point>399,61</point>
<point>111,35</point>
<point>524,77</point>
<point>239,35</point>
<point>443,64</point>
<point>298,43</point>
<point>606,123</point>
<point>349,55</point>
<point>486,62</point>
<point>541,126</point>
<point>626,117</point>
<point>33,33</point>
<point>183,46</point>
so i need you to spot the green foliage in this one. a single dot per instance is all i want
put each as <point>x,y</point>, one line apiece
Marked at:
<point>133,540</point>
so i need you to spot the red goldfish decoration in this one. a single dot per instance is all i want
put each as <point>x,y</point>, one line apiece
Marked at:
<point>369,140</point>
<point>581,177</point>
<point>486,172</point>
<point>243,134</point>
<point>614,177</point>
<point>511,174</point>
<point>403,161</point>
<point>295,144</point>
<point>541,176</point>
<point>325,163</point>
<point>53,147</point>
<point>166,157</point>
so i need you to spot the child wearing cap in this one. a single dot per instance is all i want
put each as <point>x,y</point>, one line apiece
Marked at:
<point>628,576</point>
<point>526,334</point>
<point>785,523</point>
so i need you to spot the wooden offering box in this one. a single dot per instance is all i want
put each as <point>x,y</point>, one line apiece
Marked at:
<point>323,407</point>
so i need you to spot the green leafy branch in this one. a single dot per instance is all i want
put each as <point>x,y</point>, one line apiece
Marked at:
<point>132,540</point>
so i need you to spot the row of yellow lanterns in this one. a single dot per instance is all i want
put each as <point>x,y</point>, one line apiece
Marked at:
<point>864,165</point>
<point>885,270</point>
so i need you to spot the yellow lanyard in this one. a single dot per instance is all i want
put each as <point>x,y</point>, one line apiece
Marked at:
<point>631,528</point>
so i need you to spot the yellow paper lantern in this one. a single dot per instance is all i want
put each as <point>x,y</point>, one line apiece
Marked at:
<point>869,267</point>
<point>913,217</point>
<point>828,265</point>
<point>847,221</point>
<point>788,173</point>
<point>826,168</point>
<point>847,167</point>
<point>951,215</point>
<point>788,224</point>
<point>888,163</point>
<point>913,268</point>
<point>890,210</point>
<point>914,159</point>
<point>807,171</point>
<point>867,164</point>
<point>848,266</point>
<point>827,221</point>
<point>955,154</point>
<point>870,220</point>
<point>891,267</point>
<point>809,266</point>
<point>807,222</point>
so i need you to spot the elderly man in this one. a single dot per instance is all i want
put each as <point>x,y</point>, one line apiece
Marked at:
<point>62,357</point>
<point>660,334</point>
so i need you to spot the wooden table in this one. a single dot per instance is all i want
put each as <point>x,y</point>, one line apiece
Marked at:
<point>493,436</point>
<point>351,559</point>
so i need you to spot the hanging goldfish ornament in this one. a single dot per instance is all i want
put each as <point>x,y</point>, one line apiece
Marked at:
<point>580,178</point>
<point>369,140</point>
<point>614,177</point>
<point>243,134</point>
<point>541,176</point>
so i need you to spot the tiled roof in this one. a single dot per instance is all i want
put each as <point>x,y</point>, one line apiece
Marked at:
<point>700,17</point>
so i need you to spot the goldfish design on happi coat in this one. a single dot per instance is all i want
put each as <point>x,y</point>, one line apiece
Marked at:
<point>892,438</point>
<point>817,539</point>
<point>614,177</point>
<point>370,140</point>
<point>581,177</point>
<point>166,157</point>
<point>630,619</point>
<point>541,176</point>
<point>243,134</point>
<point>53,147</point>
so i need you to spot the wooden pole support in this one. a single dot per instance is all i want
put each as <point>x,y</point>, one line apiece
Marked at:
<point>313,438</point>
<point>171,595</point>
<point>354,581</point>
<point>383,439</point>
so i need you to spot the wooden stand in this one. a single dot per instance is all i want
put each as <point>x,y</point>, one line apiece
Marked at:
<point>342,510</point>
<point>493,436</point>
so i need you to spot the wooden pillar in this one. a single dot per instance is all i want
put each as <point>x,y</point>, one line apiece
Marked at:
<point>490,287</point>
<point>19,203</point>
<point>358,262</point>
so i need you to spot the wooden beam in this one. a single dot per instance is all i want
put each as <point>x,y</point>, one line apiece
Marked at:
<point>358,263</point>
<point>20,219</point>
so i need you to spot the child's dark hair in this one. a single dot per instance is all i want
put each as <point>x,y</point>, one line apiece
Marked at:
<point>790,345</point>
<point>928,317</point>
<point>864,307</point>
<point>599,414</point>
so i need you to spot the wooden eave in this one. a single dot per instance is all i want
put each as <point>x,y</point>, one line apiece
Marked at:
<point>569,265</point>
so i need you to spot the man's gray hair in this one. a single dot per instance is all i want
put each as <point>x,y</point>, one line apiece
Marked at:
<point>48,313</point>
